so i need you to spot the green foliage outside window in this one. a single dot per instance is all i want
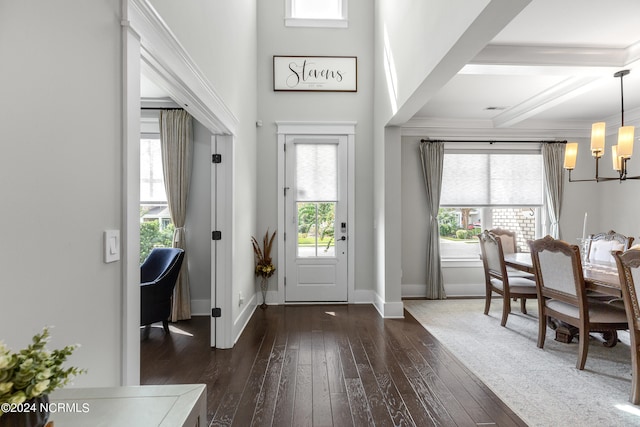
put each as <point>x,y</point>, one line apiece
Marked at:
<point>152,237</point>
<point>449,221</point>
<point>320,226</point>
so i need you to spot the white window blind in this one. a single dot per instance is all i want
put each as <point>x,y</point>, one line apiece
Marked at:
<point>488,179</point>
<point>317,172</point>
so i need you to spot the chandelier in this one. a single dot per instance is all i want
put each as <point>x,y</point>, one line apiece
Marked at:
<point>620,153</point>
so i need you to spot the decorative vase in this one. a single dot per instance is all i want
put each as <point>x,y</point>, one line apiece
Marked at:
<point>264,283</point>
<point>34,413</point>
<point>584,250</point>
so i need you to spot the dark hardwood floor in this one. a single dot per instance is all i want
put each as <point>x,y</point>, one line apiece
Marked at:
<point>338,365</point>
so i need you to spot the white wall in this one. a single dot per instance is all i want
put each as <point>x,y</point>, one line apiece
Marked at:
<point>276,39</point>
<point>419,34</point>
<point>221,38</point>
<point>61,178</point>
<point>414,216</point>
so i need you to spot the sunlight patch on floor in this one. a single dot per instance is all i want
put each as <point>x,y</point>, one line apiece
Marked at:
<point>172,329</point>
<point>633,410</point>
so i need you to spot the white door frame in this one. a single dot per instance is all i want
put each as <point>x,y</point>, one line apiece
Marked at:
<point>318,128</point>
<point>221,250</point>
<point>150,47</point>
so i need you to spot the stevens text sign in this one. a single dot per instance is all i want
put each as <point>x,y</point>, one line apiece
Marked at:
<point>315,73</point>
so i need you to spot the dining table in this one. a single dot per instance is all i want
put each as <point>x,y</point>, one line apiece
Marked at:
<point>600,277</point>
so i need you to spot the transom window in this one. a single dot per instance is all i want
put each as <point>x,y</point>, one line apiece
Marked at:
<point>316,13</point>
<point>481,191</point>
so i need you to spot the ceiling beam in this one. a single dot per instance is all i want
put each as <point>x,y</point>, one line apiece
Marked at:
<point>555,95</point>
<point>494,17</point>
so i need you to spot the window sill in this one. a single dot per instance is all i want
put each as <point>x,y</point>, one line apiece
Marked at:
<point>316,23</point>
<point>461,263</point>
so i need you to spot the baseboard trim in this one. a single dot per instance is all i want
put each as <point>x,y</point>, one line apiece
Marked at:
<point>454,290</point>
<point>389,310</point>
<point>240,322</point>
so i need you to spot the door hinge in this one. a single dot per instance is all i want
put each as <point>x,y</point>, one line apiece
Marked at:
<point>216,235</point>
<point>284,236</point>
<point>216,312</point>
<point>216,158</point>
<point>285,280</point>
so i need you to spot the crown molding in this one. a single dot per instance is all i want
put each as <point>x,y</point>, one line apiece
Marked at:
<point>167,64</point>
<point>531,129</point>
<point>511,134</point>
<point>538,56</point>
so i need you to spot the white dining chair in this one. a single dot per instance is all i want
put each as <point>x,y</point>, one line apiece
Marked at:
<point>602,245</point>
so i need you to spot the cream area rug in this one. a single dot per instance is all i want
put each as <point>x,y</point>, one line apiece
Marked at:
<point>542,386</point>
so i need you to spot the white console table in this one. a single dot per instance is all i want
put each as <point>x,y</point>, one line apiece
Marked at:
<point>140,406</point>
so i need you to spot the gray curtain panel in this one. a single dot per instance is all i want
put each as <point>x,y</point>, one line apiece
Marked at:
<point>432,156</point>
<point>177,147</point>
<point>553,158</point>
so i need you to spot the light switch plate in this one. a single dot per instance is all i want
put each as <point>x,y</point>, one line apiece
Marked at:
<point>111,246</point>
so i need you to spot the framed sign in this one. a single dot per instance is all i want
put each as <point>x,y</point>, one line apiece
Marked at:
<point>315,73</point>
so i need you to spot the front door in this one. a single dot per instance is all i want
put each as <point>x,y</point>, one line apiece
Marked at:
<point>316,215</point>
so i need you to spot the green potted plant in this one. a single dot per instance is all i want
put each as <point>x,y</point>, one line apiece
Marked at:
<point>28,376</point>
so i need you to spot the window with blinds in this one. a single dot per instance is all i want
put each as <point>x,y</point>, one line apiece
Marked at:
<point>485,179</point>
<point>482,190</point>
<point>317,172</point>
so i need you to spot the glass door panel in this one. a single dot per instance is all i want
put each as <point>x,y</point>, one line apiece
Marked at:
<point>315,229</point>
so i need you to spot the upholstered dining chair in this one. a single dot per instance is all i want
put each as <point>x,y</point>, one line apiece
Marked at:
<point>497,280</point>
<point>509,242</point>
<point>508,239</point>
<point>158,276</point>
<point>562,295</point>
<point>628,263</point>
<point>600,248</point>
<point>602,245</point>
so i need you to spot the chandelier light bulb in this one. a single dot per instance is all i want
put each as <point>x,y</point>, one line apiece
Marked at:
<point>598,131</point>
<point>570,155</point>
<point>625,141</point>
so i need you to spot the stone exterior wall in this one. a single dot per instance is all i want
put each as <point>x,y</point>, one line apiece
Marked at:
<point>520,220</point>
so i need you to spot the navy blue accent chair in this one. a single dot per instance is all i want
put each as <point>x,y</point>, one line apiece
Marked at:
<point>158,276</point>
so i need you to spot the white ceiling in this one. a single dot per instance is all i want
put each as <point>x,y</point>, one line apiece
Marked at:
<point>550,70</point>
<point>149,90</point>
